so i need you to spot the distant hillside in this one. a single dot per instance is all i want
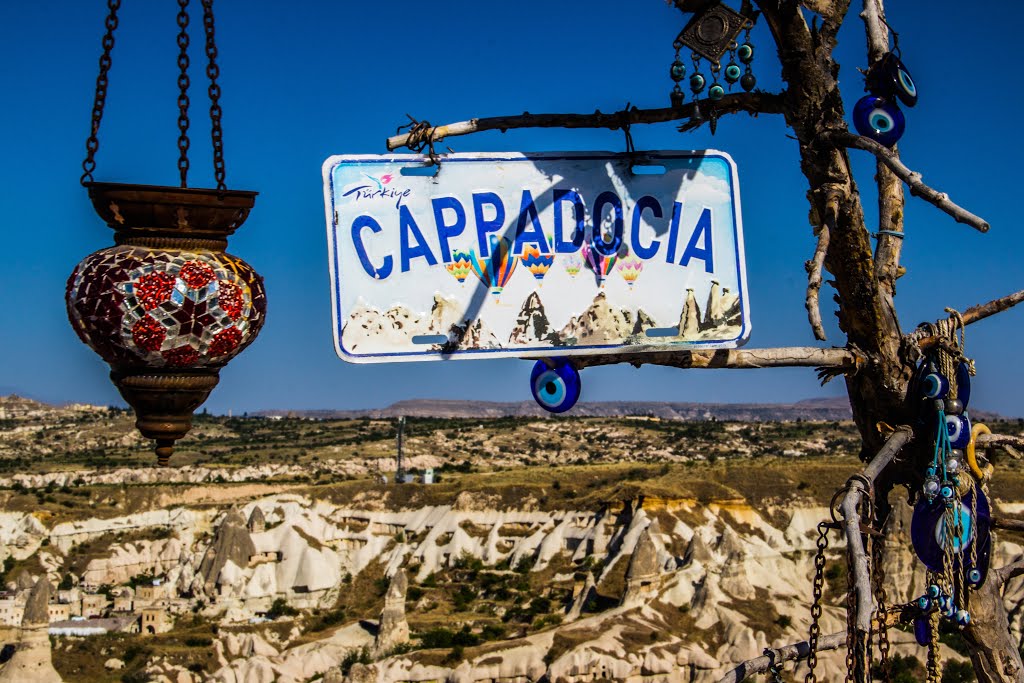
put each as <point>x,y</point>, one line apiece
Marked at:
<point>812,409</point>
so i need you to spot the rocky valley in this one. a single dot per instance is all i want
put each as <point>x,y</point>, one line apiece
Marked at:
<point>629,549</point>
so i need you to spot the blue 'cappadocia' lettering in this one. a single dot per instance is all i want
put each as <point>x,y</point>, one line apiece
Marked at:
<point>703,228</point>
<point>412,249</point>
<point>579,211</point>
<point>485,225</point>
<point>357,240</point>
<point>451,220</point>
<point>528,212</point>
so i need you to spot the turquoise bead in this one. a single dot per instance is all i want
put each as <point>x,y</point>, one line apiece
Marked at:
<point>716,92</point>
<point>696,83</point>
<point>732,73</point>
<point>677,71</point>
<point>745,52</point>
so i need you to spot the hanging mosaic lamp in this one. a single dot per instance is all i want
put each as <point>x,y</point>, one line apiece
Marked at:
<point>166,307</point>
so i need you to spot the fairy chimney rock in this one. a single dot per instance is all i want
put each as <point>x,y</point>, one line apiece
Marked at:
<point>689,321</point>
<point>589,586</point>
<point>257,522</point>
<point>643,572</point>
<point>232,543</point>
<point>32,661</point>
<point>393,629</point>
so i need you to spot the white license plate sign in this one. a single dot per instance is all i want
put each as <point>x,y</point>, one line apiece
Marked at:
<point>534,255</point>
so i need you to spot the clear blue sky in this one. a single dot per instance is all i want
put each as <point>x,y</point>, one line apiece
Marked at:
<point>306,80</point>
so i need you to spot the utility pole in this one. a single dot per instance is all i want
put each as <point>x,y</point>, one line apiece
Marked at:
<point>398,469</point>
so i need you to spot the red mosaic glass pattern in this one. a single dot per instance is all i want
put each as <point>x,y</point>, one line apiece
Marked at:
<point>231,299</point>
<point>148,334</point>
<point>196,274</point>
<point>138,307</point>
<point>154,289</point>
<point>225,341</point>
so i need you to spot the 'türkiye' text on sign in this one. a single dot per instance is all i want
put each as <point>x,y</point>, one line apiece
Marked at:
<point>533,255</point>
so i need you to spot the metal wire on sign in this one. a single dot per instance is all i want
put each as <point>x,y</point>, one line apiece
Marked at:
<point>92,144</point>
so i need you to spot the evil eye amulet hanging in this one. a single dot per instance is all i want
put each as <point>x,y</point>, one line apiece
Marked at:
<point>879,119</point>
<point>934,385</point>
<point>890,78</point>
<point>959,429</point>
<point>555,387</point>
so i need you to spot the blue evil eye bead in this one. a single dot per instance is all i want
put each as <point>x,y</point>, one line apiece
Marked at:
<point>934,385</point>
<point>878,119</point>
<point>931,487</point>
<point>948,608</point>
<point>958,427</point>
<point>924,603</point>
<point>963,529</point>
<point>922,631</point>
<point>974,577</point>
<point>890,78</point>
<point>732,73</point>
<point>946,492</point>
<point>748,82</point>
<point>962,617</point>
<point>716,92</point>
<point>963,383</point>
<point>677,71</point>
<point>696,83</point>
<point>556,388</point>
<point>934,592</point>
<point>745,53</point>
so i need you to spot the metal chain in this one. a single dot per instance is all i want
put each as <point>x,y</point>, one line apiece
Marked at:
<point>819,582</point>
<point>213,72</point>
<point>878,549</point>
<point>183,83</point>
<point>851,627</point>
<point>92,143</point>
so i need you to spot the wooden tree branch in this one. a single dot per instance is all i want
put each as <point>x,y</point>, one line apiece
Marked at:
<point>911,178</point>
<point>753,103</point>
<point>1009,442</point>
<point>856,487</point>
<point>814,267</point>
<point>1007,523</point>
<point>971,315</point>
<point>794,652</point>
<point>843,360</point>
<point>1004,574</point>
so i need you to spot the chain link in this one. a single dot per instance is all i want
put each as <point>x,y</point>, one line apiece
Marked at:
<point>878,550</point>
<point>92,143</point>
<point>819,582</point>
<point>183,83</point>
<point>851,626</point>
<point>213,72</point>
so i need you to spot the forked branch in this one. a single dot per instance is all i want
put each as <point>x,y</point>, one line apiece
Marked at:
<point>794,652</point>
<point>912,178</point>
<point>753,103</point>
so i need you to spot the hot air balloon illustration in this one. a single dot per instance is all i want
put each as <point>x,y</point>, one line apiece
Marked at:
<point>599,263</point>
<point>573,265</point>
<point>496,269</point>
<point>461,265</point>
<point>537,262</point>
<point>630,268</point>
